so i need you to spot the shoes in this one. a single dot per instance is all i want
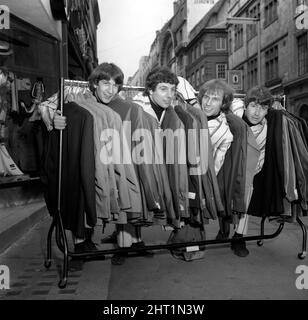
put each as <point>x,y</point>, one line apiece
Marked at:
<point>238,246</point>
<point>110,239</point>
<point>221,235</point>
<point>85,246</point>
<point>142,253</point>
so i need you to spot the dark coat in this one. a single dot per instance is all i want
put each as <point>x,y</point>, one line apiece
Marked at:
<point>267,198</point>
<point>193,180</point>
<point>78,171</point>
<point>231,177</point>
<point>132,112</point>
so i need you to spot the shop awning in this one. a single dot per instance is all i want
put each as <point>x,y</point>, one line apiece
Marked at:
<point>37,13</point>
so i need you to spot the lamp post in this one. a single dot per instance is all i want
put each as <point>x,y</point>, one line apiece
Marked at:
<point>256,21</point>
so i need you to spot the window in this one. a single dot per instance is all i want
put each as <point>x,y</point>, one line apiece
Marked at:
<point>193,79</point>
<point>253,12</point>
<point>302,45</point>
<point>180,61</point>
<point>252,72</point>
<point>221,44</point>
<point>221,71</point>
<point>191,56</point>
<point>197,77</point>
<point>230,42</point>
<point>202,48</point>
<point>179,36</point>
<point>169,54</point>
<point>271,63</point>
<point>202,74</point>
<point>238,36</point>
<point>197,51</point>
<point>270,11</point>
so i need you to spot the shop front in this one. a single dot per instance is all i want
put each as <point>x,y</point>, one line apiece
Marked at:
<point>29,73</point>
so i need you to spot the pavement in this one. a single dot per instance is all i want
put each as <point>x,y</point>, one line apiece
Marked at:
<point>268,273</point>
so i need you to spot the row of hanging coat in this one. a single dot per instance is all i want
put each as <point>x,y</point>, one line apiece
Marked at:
<point>98,182</point>
<point>280,187</point>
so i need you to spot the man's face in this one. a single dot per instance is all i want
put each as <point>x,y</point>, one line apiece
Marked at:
<point>164,94</point>
<point>212,102</point>
<point>106,90</point>
<point>256,112</point>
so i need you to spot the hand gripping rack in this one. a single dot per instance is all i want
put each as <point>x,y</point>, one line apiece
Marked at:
<point>62,243</point>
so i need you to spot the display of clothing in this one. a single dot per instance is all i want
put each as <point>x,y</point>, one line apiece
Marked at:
<point>238,164</point>
<point>78,203</point>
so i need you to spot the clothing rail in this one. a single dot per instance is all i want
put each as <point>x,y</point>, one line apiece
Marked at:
<point>100,254</point>
<point>62,243</point>
<point>76,83</point>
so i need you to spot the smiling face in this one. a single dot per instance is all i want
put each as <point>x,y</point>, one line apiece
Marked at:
<point>212,102</point>
<point>106,90</point>
<point>164,94</point>
<point>256,112</point>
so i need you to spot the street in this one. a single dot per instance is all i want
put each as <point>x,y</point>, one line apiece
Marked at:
<point>267,273</point>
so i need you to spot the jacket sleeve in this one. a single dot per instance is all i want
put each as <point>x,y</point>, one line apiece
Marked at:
<point>87,163</point>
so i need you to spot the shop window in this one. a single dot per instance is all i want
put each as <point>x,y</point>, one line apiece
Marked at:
<point>29,73</point>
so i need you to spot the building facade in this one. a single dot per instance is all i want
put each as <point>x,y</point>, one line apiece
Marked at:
<point>207,49</point>
<point>283,49</point>
<point>36,49</point>
<point>170,44</point>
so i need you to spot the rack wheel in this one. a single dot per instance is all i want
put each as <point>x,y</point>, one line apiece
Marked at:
<point>62,283</point>
<point>47,264</point>
<point>260,243</point>
<point>301,255</point>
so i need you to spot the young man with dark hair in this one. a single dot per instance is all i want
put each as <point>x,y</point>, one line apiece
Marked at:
<point>253,111</point>
<point>157,101</point>
<point>105,82</point>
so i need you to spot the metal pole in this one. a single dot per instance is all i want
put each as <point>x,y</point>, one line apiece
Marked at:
<point>259,52</point>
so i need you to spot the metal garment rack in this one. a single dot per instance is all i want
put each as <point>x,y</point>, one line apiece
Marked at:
<point>61,239</point>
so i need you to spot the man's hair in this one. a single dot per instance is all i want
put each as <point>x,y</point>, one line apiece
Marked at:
<point>159,75</point>
<point>106,71</point>
<point>259,95</point>
<point>216,85</point>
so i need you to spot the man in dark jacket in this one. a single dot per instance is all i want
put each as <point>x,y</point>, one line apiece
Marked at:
<point>106,82</point>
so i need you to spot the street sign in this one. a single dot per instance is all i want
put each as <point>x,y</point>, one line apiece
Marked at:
<point>235,79</point>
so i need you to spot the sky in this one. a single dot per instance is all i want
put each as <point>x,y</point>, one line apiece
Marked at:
<point>127,30</point>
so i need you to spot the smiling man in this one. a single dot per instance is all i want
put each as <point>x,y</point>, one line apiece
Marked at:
<point>257,102</point>
<point>215,97</point>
